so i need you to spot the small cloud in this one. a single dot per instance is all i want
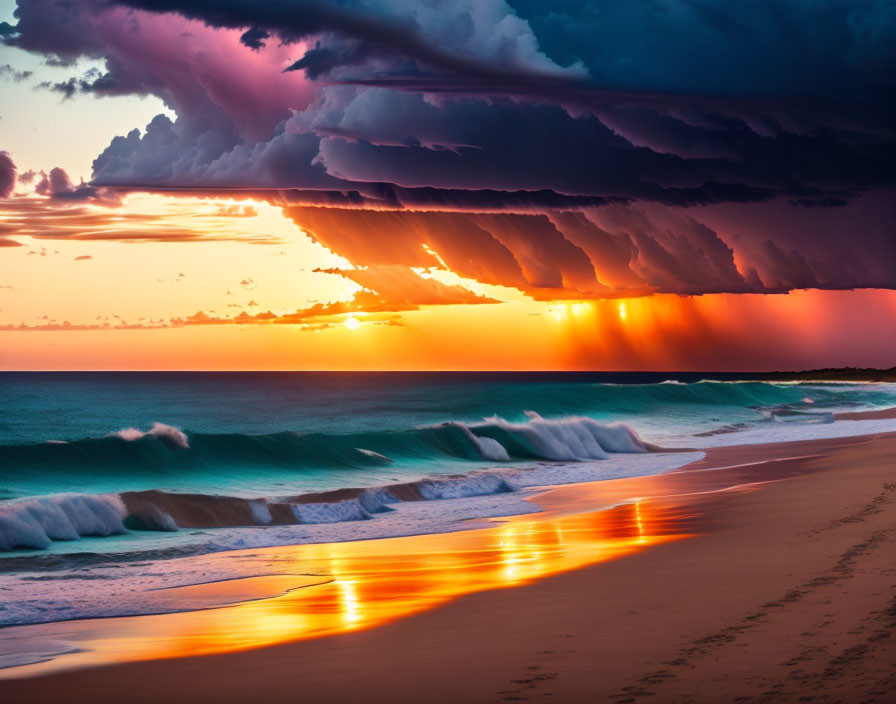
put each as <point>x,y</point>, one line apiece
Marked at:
<point>58,186</point>
<point>236,211</point>
<point>254,38</point>
<point>10,73</point>
<point>43,252</point>
<point>248,283</point>
<point>83,258</point>
<point>252,303</point>
<point>6,242</point>
<point>58,62</point>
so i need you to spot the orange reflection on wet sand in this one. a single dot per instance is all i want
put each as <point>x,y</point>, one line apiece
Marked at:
<point>358,585</point>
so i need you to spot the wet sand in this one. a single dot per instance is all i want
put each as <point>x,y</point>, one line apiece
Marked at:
<point>880,414</point>
<point>787,593</point>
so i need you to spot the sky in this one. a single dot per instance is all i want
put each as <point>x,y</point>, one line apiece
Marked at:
<point>477,184</point>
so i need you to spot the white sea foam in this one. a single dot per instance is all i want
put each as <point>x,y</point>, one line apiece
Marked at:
<point>575,438</point>
<point>158,430</point>
<point>473,484</point>
<point>161,521</point>
<point>261,514</point>
<point>489,448</point>
<point>35,522</point>
<point>376,500</point>
<point>28,651</point>
<point>335,512</point>
<point>374,455</point>
<point>789,432</point>
<point>803,417</point>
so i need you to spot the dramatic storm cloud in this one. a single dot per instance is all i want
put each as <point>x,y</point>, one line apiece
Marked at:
<point>624,250</point>
<point>566,149</point>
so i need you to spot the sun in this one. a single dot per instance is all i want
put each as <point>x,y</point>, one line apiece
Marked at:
<point>352,323</point>
<point>623,313</point>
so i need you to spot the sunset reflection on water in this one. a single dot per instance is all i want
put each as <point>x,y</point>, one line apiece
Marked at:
<point>359,585</point>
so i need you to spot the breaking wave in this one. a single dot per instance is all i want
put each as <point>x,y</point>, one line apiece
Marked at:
<point>164,450</point>
<point>34,523</point>
<point>158,430</point>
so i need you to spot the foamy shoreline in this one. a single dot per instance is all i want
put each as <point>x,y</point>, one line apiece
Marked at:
<point>465,503</point>
<point>706,581</point>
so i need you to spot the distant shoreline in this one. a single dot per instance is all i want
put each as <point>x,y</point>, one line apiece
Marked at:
<point>830,374</point>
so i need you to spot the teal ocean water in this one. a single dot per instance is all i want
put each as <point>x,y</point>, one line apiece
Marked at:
<point>70,444</point>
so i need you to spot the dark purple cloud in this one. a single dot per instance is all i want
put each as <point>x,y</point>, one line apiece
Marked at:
<point>532,144</point>
<point>7,175</point>
<point>223,93</point>
<point>58,186</point>
<point>11,73</point>
<point>453,99</point>
<point>466,36</point>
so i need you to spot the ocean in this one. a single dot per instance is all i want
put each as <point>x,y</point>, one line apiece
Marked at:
<point>101,468</point>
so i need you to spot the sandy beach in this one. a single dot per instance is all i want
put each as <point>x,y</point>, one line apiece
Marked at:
<point>779,587</point>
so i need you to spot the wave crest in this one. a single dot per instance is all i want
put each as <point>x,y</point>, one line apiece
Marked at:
<point>158,430</point>
<point>164,449</point>
<point>133,455</point>
<point>560,439</point>
<point>36,522</point>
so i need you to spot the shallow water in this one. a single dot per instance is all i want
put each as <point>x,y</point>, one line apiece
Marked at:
<point>320,590</point>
